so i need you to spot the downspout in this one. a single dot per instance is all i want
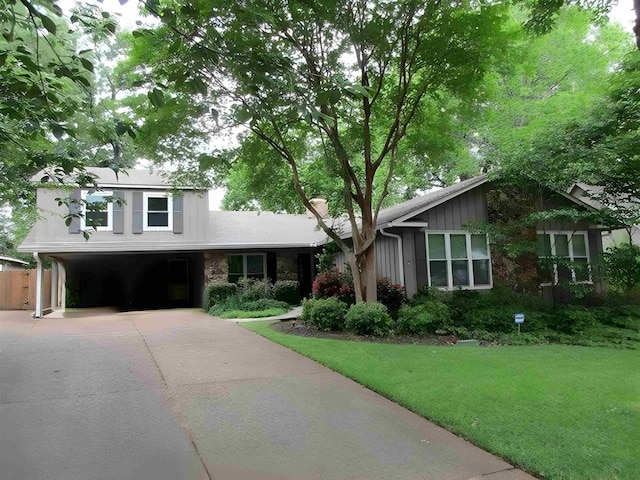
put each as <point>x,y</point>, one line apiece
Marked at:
<point>38,312</point>
<point>400,256</point>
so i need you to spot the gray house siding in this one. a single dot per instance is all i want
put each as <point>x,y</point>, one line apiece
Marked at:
<point>468,207</point>
<point>192,221</point>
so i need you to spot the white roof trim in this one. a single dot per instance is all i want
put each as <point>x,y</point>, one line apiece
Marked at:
<point>13,260</point>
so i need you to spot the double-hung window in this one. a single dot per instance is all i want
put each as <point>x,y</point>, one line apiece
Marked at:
<point>564,256</point>
<point>458,259</point>
<point>249,265</point>
<point>157,212</point>
<point>97,210</point>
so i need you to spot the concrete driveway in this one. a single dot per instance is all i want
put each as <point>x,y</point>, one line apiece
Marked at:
<point>177,394</point>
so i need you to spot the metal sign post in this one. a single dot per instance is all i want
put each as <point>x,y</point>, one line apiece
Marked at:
<point>519,319</point>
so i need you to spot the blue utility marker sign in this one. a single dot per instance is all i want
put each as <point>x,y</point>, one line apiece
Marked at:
<point>519,318</point>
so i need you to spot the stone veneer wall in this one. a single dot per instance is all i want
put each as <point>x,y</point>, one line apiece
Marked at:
<point>215,266</point>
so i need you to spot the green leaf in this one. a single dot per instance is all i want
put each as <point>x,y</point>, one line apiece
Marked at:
<point>48,24</point>
<point>121,128</point>
<point>57,130</point>
<point>156,97</point>
<point>243,115</point>
<point>87,64</point>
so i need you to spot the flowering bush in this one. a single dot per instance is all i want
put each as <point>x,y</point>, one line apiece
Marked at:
<point>329,284</point>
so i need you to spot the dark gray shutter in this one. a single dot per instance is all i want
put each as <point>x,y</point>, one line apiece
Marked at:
<point>178,214</point>
<point>138,212</point>
<point>118,211</point>
<point>75,208</point>
<point>272,267</point>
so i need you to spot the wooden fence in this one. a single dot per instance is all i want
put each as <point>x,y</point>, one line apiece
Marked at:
<point>18,290</point>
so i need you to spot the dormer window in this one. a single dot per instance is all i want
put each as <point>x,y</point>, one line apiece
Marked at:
<point>97,210</point>
<point>158,212</point>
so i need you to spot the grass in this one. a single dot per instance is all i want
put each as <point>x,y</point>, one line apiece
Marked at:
<point>560,412</point>
<point>269,312</point>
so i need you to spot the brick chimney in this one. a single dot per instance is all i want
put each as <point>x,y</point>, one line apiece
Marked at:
<point>320,204</point>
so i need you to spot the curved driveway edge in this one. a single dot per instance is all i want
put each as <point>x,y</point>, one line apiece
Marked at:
<point>177,394</point>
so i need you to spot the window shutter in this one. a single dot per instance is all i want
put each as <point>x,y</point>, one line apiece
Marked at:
<point>421,259</point>
<point>272,266</point>
<point>75,207</point>
<point>178,216</point>
<point>138,212</point>
<point>118,212</point>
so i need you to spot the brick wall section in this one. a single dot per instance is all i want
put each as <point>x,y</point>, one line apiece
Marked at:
<point>215,266</point>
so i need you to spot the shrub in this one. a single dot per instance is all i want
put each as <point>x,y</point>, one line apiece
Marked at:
<point>572,319</point>
<point>251,290</point>
<point>307,308</point>
<point>391,295</point>
<point>287,291</point>
<point>236,303</point>
<point>622,266</point>
<point>263,304</point>
<point>217,292</point>
<point>368,319</point>
<point>328,284</point>
<point>328,314</point>
<point>428,317</point>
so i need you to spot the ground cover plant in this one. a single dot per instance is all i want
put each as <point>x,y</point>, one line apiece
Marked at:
<point>250,298</point>
<point>560,412</point>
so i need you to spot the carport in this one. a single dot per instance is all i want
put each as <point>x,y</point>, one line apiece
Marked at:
<point>128,281</point>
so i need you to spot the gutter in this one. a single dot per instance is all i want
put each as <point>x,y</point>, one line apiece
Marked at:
<point>38,312</point>
<point>400,256</point>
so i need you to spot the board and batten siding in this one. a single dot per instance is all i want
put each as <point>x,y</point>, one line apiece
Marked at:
<point>453,214</point>
<point>386,259</point>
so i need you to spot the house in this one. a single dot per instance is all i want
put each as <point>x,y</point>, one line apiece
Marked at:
<point>155,247</point>
<point>589,194</point>
<point>9,263</point>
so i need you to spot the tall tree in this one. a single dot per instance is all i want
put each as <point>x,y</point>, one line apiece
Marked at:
<point>344,78</point>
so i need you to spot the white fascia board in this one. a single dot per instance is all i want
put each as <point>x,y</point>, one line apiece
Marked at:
<point>97,247</point>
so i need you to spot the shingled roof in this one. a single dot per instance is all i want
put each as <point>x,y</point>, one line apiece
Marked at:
<point>427,201</point>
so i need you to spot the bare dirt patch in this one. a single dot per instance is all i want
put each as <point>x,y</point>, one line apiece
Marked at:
<point>293,327</point>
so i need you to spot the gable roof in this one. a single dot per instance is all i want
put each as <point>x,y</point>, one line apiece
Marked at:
<point>131,177</point>
<point>425,202</point>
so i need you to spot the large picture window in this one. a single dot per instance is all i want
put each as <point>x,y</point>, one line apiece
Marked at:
<point>458,259</point>
<point>158,212</point>
<point>564,256</point>
<point>246,266</point>
<point>97,210</point>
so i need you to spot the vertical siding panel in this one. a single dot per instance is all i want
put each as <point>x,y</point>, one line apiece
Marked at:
<point>409,255</point>
<point>456,207</point>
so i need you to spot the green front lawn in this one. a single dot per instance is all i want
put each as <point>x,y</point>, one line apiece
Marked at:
<point>561,412</point>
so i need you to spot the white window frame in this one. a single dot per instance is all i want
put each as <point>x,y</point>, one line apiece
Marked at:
<point>447,246</point>
<point>569,234</point>
<point>83,220</point>
<point>244,263</point>
<point>145,211</point>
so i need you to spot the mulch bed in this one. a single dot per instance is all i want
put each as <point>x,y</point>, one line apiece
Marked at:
<point>292,327</point>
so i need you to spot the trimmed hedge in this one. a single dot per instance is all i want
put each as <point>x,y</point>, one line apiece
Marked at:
<point>368,319</point>
<point>424,318</point>
<point>325,314</point>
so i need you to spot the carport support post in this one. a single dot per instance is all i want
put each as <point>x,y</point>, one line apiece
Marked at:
<point>38,312</point>
<point>54,284</point>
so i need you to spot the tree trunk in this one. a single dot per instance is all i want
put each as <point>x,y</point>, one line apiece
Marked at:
<point>363,268</point>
